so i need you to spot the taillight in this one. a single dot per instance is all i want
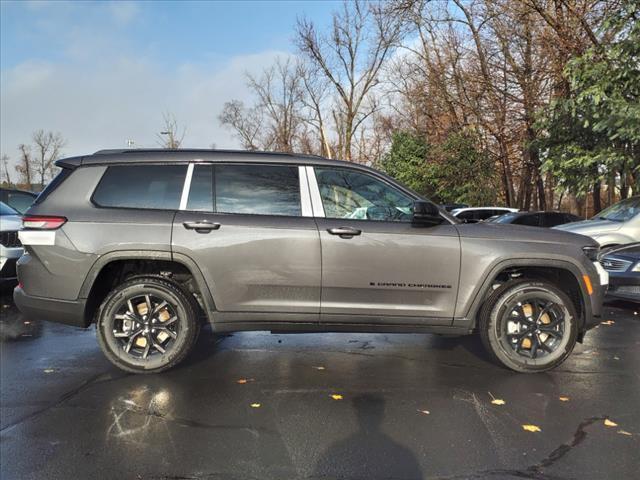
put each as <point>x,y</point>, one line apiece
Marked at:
<point>41,222</point>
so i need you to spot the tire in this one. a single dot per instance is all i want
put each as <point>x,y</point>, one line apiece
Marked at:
<point>524,309</point>
<point>169,333</point>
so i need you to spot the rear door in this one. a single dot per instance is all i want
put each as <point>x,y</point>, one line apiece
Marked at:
<point>250,229</point>
<point>377,267</point>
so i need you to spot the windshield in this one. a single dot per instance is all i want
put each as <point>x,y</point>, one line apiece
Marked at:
<point>6,209</point>
<point>621,211</point>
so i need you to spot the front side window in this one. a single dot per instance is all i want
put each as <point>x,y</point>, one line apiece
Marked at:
<point>350,194</point>
<point>257,189</point>
<point>141,186</point>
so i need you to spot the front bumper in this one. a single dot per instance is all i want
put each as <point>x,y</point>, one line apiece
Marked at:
<point>69,312</point>
<point>8,258</point>
<point>624,286</point>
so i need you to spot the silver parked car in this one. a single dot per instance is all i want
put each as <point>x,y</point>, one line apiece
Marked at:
<point>10,247</point>
<point>617,225</point>
<point>151,244</point>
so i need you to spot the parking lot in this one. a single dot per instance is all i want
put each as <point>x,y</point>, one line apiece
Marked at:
<point>257,405</point>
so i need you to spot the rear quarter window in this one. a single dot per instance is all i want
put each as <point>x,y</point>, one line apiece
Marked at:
<point>141,186</point>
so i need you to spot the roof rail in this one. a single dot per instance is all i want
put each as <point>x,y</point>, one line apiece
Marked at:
<point>117,151</point>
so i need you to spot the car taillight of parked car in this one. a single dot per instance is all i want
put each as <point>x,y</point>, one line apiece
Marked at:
<point>40,222</point>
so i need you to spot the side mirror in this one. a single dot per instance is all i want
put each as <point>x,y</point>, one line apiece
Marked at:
<point>425,213</point>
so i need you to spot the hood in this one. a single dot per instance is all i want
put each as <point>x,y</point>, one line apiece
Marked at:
<point>521,233</point>
<point>10,223</point>
<point>591,227</point>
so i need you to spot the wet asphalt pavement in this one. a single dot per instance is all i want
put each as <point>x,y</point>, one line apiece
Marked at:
<point>257,405</point>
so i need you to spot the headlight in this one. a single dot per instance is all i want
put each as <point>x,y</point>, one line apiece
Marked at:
<point>636,267</point>
<point>591,253</point>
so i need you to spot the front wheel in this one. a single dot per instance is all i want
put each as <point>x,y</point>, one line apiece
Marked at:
<point>529,326</point>
<point>147,325</point>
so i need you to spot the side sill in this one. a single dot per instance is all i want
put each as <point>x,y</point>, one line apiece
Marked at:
<point>305,327</point>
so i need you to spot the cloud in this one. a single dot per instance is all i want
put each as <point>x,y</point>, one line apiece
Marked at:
<point>121,99</point>
<point>123,12</point>
<point>103,88</point>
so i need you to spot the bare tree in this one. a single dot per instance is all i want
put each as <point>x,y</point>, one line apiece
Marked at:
<point>24,165</point>
<point>351,59</point>
<point>275,122</point>
<point>6,177</point>
<point>246,122</point>
<point>170,136</point>
<point>46,150</point>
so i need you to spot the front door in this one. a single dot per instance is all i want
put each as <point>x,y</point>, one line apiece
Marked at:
<point>246,227</point>
<point>377,267</point>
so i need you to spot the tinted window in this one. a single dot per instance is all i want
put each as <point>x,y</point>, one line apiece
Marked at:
<point>529,220</point>
<point>141,186</point>
<point>350,194</point>
<point>257,189</point>
<point>20,201</point>
<point>551,219</point>
<point>201,192</point>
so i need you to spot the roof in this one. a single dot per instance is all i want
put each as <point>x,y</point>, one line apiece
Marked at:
<point>103,157</point>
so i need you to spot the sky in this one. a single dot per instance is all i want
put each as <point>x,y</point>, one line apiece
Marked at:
<point>103,73</point>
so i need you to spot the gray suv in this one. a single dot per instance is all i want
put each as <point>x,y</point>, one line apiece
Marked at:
<point>152,244</point>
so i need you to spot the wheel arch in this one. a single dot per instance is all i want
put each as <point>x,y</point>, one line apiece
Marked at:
<point>565,274</point>
<point>94,290</point>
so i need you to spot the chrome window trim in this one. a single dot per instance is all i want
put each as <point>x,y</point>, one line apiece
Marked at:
<point>305,196</point>
<point>314,190</point>
<point>186,187</point>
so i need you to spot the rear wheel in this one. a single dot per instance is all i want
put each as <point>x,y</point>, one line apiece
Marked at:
<point>147,325</point>
<point>529,326</point>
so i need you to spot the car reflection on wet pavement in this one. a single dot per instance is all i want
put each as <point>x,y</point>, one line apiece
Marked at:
<point>257,405</point>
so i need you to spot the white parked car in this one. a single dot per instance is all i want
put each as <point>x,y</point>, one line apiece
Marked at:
<point>478,214</point>
<point>617,225</point>
<point>10,246</point>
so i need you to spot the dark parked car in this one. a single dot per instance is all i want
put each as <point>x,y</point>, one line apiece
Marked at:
<point>536,219</point>
<point>623,265</point>
<point>453,206</point>
<point>19,200</point>
<point>150,244</point>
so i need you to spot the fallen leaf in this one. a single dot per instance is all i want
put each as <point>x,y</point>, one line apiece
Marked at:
<point>496,401</point>
<point>609,423</point>
<point>426,412</point>
<point>336,396</point>
<point>255,405</point>
<point>608,322</point>
<point>531,428</point>
<point>319,368</point>
<point>624,432</point>
<point>563,399</point>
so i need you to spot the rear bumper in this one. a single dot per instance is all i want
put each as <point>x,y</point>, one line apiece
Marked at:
<point>51,309</point>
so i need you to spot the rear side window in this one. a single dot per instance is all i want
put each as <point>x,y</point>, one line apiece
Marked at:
<point>141,186</point>
<point>257,189</point>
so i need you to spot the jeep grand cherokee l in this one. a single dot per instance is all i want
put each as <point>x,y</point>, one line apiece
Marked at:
<point>149,245</point>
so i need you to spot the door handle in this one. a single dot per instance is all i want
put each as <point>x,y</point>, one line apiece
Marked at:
<point>201,227</point>
<point>344,232</point>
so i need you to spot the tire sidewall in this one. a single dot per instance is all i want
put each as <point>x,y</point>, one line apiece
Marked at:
<point>495,331</point>
<point>156,363</point>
